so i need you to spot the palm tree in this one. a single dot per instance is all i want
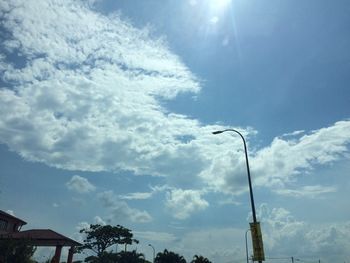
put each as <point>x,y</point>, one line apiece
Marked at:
<point>169,257</point>
<point>200,259</point>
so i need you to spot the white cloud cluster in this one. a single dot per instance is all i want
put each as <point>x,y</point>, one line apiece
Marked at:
<point>80,184</point>
<point>88,96</point>
<point>120,211</point>
<point>183,203</point>
<point>285,235</point>
<point>278,163</point>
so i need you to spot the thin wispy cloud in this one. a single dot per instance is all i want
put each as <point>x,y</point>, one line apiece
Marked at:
<point>311,191</point>
<point>136,196</point>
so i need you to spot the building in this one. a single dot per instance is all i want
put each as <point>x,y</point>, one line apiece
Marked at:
<point>10,228</point>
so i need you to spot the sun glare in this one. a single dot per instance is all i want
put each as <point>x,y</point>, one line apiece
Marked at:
<point>220,4</point>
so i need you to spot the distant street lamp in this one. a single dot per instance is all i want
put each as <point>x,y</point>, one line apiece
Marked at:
<point>255,222</point>
<point>154,252</point>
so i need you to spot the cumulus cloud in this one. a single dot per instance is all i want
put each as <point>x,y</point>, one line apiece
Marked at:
<point>99,220</point>
<point>80,185</point>
<point>120,210</point>
<point>182,203</point>
<point>284,159</point>
<point>88,96</point>
<point>86,93</point>
<point>285,235</point>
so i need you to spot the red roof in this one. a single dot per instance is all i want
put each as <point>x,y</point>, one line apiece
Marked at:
<point>7,215</point>
<point>42,237</point>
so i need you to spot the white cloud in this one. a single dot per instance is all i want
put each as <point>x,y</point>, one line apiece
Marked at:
<point>98,220</point>
<point>285,159</point>
<point>89,97</point>
<point>137,196</point>
<point>10,212</point>
<point>182,203</point>
<point>162,237</point>
<point>80,184</point>
<point>214,20</point>
<point>120,211</point>
<point>311,191</point>
<point>217,244</point>
<point>91,89</point>
<point>283,234</point>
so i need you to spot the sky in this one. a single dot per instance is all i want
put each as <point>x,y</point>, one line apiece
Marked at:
<point>107,110</point>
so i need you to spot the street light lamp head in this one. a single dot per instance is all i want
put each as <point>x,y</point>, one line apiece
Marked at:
<point>217,132</point>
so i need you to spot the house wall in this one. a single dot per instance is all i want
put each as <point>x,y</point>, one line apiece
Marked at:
<point>8,225</point>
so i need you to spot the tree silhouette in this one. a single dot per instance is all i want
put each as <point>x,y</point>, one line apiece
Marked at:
<point>130,257</point>
<point>16,251</point>
<point>169,257</point>
<point>99,238</point>
<point>121,257</point>
<point>200,259</point>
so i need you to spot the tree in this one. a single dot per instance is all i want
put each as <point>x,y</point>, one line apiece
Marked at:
<point>16,251</point>
<point>104,257</point>
<point>169,257</point>
<point>99,238</point>
<point>130,257</point>
<point>121,257</point>
<point>200,259</point>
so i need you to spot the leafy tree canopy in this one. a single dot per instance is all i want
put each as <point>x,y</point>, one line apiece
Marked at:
<point>200,259</point>
<point>169,257</point>
<point>130,257</point>
<point>121,257</point>
<point>16,251</point>
<point>99,238</point>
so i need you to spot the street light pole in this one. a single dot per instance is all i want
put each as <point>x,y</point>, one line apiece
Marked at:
<point>154,252</point>
<point>248,172</point>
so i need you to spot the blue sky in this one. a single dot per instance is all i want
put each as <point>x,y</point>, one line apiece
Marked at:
<point>107,109</point>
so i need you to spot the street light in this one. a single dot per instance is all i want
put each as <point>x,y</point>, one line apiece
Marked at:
<point>154,252</point>
<point>255,223</point>
<point>248,170</point>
